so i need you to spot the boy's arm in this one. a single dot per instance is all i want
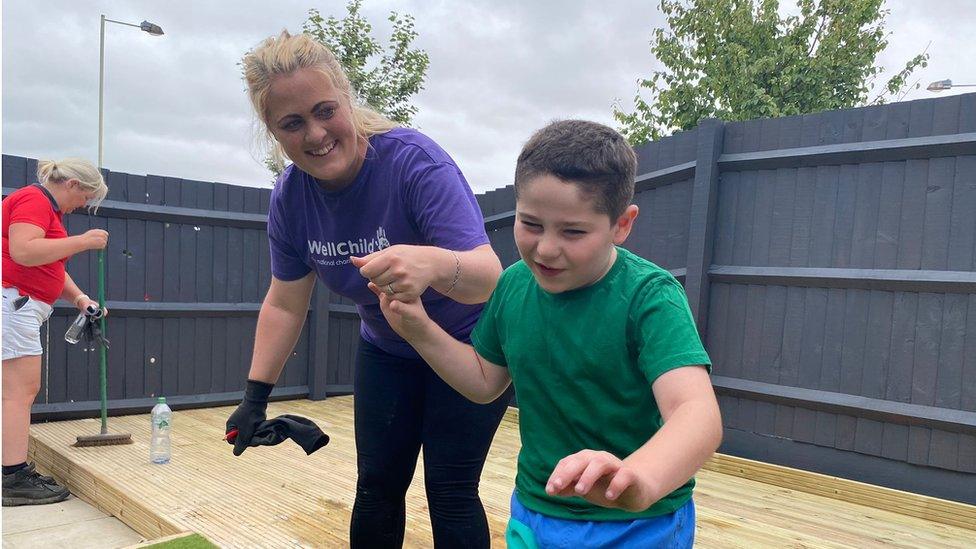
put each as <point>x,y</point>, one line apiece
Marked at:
<point>691,433</point>
<point>456,363</point>
<point>460,365</point>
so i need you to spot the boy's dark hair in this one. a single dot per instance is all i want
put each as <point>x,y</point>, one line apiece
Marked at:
<point>594,157</point>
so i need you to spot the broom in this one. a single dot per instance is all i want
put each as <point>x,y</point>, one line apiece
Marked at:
<point>104,438</point>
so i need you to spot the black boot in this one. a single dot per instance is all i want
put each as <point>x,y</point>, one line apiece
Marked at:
<point>28,487</point>
<point>45,479</point>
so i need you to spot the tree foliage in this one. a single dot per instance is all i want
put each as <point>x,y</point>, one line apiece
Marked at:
<point>740,59</point>
<point>384,78</point>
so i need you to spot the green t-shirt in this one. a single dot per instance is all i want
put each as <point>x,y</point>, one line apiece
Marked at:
<point>582,363</point>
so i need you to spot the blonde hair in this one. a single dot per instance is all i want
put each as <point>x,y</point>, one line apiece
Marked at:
<point>287,53</point>
<point>56,172</point>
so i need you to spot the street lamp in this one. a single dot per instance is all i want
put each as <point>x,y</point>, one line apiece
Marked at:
<point>154,30</point>
<point>940,85</point>
<point>145,26</point>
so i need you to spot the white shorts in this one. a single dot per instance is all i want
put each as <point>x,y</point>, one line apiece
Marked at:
<point>22,328</point>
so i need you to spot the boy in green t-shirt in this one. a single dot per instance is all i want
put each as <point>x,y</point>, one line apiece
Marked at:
<point>616,409</point>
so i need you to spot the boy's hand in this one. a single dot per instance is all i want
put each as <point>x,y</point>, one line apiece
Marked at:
<point>409,319</point>
<point>602,479</point>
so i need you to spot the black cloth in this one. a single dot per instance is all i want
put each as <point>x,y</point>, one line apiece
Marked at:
<point>401,405</point>
<point>93,331</point>
<point>287,426</point>
<point>247,426</point>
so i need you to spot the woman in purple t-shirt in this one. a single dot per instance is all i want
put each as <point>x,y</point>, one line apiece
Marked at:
<point>368,204</point>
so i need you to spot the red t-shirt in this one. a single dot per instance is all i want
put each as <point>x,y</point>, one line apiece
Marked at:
<point>34,205</point>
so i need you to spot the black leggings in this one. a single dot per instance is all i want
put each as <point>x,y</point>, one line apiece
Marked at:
<point>401,405</point>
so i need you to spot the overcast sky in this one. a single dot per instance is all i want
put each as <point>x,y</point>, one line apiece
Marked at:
<point>499,69</point>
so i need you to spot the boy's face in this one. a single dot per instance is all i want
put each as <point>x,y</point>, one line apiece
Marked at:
<point>562,238</point>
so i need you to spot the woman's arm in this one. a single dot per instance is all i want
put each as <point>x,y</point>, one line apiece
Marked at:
<point>466,277</point>
<point>73,294</point>
<point>280,323</point>
<point>29,248</point>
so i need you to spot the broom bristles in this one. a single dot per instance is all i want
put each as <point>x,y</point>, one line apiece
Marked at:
<point>103,440</point>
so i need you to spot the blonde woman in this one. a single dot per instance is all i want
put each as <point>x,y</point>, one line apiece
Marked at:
<point>35,248</point>
<point>366,203</point>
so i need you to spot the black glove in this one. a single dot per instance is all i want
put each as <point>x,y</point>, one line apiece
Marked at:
<point>248,415</point>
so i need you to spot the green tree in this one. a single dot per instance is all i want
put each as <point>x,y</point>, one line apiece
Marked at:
<point>385,78</point>
<point>739,59</point>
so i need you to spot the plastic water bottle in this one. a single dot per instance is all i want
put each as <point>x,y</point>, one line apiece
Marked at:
<point>162,424</point>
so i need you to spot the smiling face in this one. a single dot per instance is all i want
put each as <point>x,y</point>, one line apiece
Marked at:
<point>564,240</point>
<point>312,121</point>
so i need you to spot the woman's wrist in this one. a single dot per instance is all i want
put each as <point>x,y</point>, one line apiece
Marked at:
<point>456,272</point>
<point>444,263</point>
<point>79,298</point>
<point>78,244</point>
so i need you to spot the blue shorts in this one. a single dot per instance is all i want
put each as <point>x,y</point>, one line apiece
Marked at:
<point>530,530</point>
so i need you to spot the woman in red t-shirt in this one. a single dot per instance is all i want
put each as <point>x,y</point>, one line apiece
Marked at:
<point>35,248</point>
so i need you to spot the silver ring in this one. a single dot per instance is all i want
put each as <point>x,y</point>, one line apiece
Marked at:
<point>389,288</point>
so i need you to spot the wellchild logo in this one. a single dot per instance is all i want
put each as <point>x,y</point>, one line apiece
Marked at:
<point>381,238</point>
<point>337,253</point>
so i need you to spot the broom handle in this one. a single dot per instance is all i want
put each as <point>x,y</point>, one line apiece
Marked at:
<point>102,359</point>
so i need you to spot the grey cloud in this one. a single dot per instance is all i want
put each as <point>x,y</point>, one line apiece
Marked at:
<point>499,70</point>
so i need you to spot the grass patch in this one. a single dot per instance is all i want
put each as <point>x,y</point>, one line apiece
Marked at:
<point>193,541</point>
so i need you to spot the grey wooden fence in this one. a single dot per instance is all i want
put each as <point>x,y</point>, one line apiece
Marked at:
<point>186,268</point>
<point>829,260</point>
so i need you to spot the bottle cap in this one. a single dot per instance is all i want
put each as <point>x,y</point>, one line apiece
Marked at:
<point>161,400</point>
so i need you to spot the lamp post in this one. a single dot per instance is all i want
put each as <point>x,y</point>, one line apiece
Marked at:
<point>154,30</point>
<point>145,26</point>
<point>940,85</point>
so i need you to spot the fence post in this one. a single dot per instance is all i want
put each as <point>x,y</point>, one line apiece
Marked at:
<point>704,202</point>
<point>318,335</point>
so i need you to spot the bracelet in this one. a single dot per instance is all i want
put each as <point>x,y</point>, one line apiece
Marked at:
<point>457,273</point>
<point>77,299</point>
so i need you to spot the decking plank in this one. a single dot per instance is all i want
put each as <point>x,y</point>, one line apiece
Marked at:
<point>275,497</point>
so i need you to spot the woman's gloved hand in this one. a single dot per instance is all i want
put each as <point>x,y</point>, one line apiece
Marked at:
<point>248,415</point>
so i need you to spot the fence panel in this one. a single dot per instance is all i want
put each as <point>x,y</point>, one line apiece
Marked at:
<point>830,261</point>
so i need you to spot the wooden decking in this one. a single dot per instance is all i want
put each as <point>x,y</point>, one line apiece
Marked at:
<point>278,497</point>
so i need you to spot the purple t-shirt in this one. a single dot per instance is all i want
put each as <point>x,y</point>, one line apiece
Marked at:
<point>409,191</point>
